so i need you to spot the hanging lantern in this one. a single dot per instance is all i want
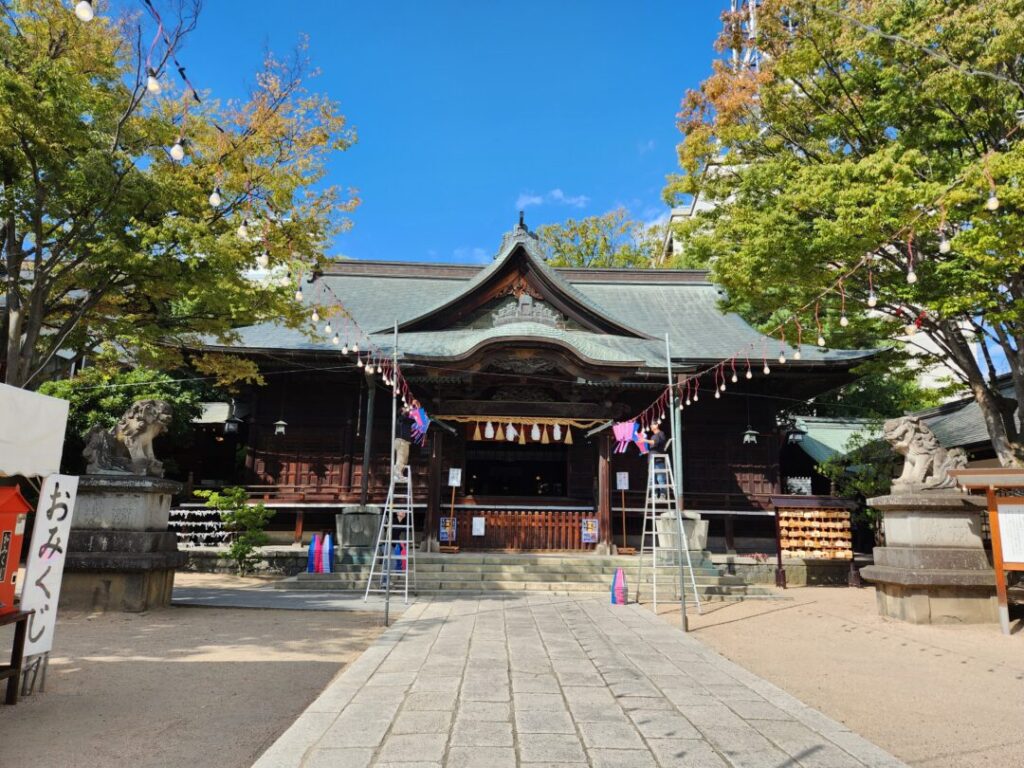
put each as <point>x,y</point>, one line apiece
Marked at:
<point>750,436</point>
<point>556,432</point>
<point>280,427</point>
<point>535,433</point>
<point>489,431</point>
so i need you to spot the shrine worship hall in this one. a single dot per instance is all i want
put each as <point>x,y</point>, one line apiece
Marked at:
<point>522,369</point>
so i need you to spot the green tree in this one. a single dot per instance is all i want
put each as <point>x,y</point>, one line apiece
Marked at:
<point>99,397</point>
<point>878,138</point>
<point>246,522</point>
<point>611,239</point>
<point>864,471</point>
<point>106,237</point>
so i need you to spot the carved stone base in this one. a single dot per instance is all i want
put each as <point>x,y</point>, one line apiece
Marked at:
<point>121,557</point>
<point>357,526</point>
<point>934,569</point>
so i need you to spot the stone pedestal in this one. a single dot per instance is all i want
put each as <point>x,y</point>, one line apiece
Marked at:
<point>356,530</point>
<point>934,568</point>
<point>696,531</point>
<point>121,557</point>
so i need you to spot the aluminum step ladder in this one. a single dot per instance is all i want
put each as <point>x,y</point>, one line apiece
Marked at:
<point>396,530</point>
<point>663,538</point>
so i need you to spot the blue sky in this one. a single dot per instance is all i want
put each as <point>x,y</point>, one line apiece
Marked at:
<point>468,110</point>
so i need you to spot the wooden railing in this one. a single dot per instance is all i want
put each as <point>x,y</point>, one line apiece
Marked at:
<point>522,527</point>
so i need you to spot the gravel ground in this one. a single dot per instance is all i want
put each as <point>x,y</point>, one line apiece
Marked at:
<point>178,687</point>
<point>935,696</point>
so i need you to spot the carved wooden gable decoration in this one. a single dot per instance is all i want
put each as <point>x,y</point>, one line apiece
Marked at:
<point>519,288</point>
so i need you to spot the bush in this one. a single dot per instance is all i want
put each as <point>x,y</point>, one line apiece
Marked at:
<point>246,522</point>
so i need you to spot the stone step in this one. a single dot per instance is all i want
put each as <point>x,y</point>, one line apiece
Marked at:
<point>667,576</point>
<point>666,591</point>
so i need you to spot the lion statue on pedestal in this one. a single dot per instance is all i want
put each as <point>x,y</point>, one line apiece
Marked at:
<point>127,448</point>
<point>926,463</point>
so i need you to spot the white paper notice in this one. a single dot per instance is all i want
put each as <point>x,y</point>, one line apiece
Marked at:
<point>44,570</point>
<point>478,526</point>
<point>454,477</point>
<point>1011,532</point>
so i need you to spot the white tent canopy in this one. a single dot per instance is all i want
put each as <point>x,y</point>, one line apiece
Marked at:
<point>31,432</point>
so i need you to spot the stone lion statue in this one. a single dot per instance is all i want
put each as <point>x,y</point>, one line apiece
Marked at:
<point>127,448</point>
<point>926,463</point>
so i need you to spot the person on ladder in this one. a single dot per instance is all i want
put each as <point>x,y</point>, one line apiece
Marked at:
<point>658,443</point>
<point>403,437</point>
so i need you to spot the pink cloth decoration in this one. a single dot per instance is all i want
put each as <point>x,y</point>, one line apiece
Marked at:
<point>619,592</point>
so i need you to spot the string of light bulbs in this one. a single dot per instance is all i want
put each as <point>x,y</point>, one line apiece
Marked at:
<point>688,390</point>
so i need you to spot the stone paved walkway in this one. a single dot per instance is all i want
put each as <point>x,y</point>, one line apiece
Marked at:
<point>541,680</point>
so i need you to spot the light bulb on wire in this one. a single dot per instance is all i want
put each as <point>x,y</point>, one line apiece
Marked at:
<point>748,374</point>
<point>844,321</point>
<point>782,358</point>
<point>821,340</point>
<point>796,354</point>
<point>872,299</point>
<point>177,151</point>
<point>315,316</point>
<point>911,276</point>
<point>84,11</point>
<point>152,83</point>
<point>215,198</point>
<point>327,328</point>
<point>359,362</point>
<point>344,348</point>
<point>336,340</point>
<point>355,348</point>
<point>243,230</point>
<point>993,201</point>
<point>735,378</point>
<point>766,370</point>
<point>718,395</point>
<point>944,245</point>
<point>298,294</point>
<point>722,387</point>
<point>263,260</point>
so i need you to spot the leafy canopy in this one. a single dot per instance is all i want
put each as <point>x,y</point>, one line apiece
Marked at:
<point>610,239</point>
<point>870,133</point>
<point>105,238</point>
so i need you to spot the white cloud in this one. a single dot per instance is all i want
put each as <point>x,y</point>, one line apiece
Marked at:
<point>471,255</point>
<point>554,197</point>
<point>526,199</point>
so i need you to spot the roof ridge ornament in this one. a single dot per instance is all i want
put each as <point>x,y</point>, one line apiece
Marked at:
<point>521,234</point>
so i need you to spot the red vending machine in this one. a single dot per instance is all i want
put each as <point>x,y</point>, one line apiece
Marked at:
<point>13,515</point>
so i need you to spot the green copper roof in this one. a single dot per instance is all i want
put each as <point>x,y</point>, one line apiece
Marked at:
<point>637,307</point>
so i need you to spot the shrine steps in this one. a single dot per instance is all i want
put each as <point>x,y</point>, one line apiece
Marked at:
<point>470,573</point>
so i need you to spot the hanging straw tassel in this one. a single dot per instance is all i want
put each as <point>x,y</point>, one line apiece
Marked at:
<point>544,435</point>
<point>568,435</point>
<point>476,432</point>
<point>522,434</point>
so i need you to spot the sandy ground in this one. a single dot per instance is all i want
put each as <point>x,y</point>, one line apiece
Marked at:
<point>935,696</point>
<point>179,687</point>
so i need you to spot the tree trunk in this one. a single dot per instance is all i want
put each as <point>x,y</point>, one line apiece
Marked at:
<point>1009,452</point>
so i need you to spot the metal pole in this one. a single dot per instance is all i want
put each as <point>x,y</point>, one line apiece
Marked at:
<point>677,440</point>
<point>391,495</point>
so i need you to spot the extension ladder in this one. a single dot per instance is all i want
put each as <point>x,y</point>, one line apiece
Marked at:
<point>661,499</point>
<point>396,530</point>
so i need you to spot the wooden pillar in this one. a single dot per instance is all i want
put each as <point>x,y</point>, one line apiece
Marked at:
<point>347,440</point>
<point>433,518</point>
<point>604,495</point>
<point>371,390</point>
